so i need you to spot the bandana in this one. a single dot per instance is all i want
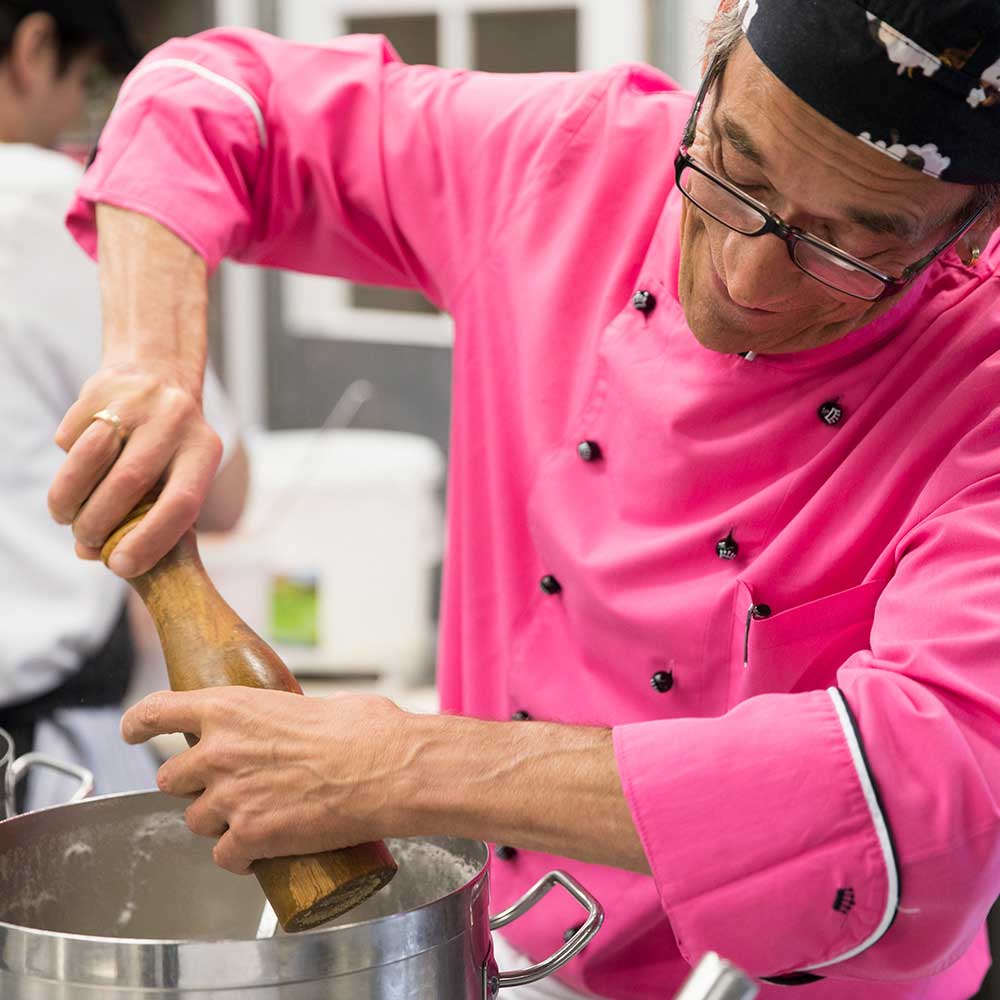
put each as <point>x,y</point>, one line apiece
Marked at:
<point>918,80</point>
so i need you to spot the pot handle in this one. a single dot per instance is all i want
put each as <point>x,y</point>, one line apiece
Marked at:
<point>26,761</point>
<point>576,944</point>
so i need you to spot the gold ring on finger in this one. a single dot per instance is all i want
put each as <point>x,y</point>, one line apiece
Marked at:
<point>113,420</point>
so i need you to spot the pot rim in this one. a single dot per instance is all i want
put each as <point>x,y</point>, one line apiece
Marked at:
<point>182,964</point>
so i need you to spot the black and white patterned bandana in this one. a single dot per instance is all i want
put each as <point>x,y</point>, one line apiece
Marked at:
<point>918,80</point>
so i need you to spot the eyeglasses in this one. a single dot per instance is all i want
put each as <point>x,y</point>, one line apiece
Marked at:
<point>835,268</point>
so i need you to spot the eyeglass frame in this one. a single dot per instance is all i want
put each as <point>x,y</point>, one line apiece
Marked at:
<point>791,235</point>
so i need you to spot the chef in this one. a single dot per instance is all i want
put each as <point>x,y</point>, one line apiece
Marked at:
<point>66,654</point>
<point>722,599</point>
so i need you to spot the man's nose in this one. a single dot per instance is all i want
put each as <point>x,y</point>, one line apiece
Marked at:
<point>759,272</point>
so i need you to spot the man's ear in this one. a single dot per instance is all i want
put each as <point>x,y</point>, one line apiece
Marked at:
<point>33,49</point>
<point>979,235</point>
<point>990,224</point>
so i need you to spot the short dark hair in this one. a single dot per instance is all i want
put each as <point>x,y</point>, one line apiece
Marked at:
<point>73,38</point>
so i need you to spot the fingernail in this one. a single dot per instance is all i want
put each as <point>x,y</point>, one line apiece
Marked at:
<point>122,564</point>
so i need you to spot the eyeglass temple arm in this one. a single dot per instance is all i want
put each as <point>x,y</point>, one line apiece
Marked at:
<point>710,75</point>
<point>916,268</point>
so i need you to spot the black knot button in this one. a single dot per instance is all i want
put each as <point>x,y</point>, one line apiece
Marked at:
<point>727,548</point>
<point>505,853</point>
<point>550,584</point>
<point>589,451</point>
<point>831,413</point>
<point>644,301</point>
<point>662,681</point>
<point>570,933</point>
<point>521,715</point>
<point>760,611</point>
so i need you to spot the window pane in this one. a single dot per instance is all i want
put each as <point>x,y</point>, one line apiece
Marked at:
<point>528,41</point>
<point>394,299</point>
<point>414,38</point>
<point>306,376</point>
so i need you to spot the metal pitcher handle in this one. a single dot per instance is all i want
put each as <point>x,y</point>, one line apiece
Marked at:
<point>576,944</point>
<point>21,766</point>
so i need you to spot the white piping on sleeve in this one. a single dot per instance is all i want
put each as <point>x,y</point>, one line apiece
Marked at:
<point>881,832</point>
<point>203,71</point>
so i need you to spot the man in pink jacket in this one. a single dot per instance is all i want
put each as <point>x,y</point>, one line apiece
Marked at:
<point>721,613</point>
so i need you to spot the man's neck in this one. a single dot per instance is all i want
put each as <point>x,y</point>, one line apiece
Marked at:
<point>12,117</point>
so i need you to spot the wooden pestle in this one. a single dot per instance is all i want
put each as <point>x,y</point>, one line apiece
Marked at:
<point>206,644</point>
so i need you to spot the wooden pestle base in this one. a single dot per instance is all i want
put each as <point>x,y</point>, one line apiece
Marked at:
<point>206,644</point>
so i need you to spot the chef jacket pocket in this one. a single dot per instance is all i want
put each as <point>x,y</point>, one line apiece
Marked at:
<point>777,650</point>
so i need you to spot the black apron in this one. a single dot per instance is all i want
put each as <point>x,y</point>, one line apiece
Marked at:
<point>102,680</point>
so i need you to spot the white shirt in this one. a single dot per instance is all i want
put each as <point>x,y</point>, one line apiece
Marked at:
<point>54,608</point>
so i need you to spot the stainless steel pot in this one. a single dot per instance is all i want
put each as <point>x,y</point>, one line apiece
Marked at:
<point>13,770</point>
<point>114,896</point>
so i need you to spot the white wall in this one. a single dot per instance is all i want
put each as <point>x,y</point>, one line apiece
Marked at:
<point>679,32</point>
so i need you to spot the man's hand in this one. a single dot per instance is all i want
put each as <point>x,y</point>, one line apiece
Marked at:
<point>278,774</point>
<point>103,478</point>
<point>154,292</point>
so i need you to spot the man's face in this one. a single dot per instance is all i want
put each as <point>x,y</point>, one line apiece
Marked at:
<point>58,99</point>
<point>745,294</point>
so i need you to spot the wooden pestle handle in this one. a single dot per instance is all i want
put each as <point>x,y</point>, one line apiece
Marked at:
<point>206,644</point>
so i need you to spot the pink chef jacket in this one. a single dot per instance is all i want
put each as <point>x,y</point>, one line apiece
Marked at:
<point>817,789</point>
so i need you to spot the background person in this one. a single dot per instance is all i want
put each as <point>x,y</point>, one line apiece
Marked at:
<point>66,653</point>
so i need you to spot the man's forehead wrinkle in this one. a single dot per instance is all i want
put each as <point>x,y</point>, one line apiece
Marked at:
<point>827,142</point>
<point>754,111</point>
<point>872,219</point>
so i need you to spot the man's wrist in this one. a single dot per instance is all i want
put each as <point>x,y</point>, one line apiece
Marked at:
<point>435,756</point>
<point>154,292</point>
<point>521,784</point>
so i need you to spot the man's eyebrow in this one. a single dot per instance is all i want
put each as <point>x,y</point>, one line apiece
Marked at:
<point>741,141</point>
<point>883,223</point>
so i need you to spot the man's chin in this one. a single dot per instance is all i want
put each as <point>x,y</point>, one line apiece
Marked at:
<point>714,340</point>
<point>715,335</point>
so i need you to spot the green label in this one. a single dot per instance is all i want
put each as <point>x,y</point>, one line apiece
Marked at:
<point>295,610</point>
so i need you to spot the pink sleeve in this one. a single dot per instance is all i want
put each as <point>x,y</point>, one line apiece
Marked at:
<point>849,833</point>
<point>333,159</point>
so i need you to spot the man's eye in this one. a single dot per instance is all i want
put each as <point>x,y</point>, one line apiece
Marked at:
<point>857,247</point>
<point>750,187</point>
<point>886,260</point>
<point>877,258</point>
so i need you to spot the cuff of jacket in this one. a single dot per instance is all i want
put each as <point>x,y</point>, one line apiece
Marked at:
<point>764,832</point>
<point>180,150</point>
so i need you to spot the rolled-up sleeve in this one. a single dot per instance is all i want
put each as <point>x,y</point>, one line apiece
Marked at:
<point>851,832</point>
<point>332,159</point>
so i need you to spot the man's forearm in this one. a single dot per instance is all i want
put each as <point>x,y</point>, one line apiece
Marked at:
<point>152,434</point>
<point>153,295</point>
<point>539,786</point>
